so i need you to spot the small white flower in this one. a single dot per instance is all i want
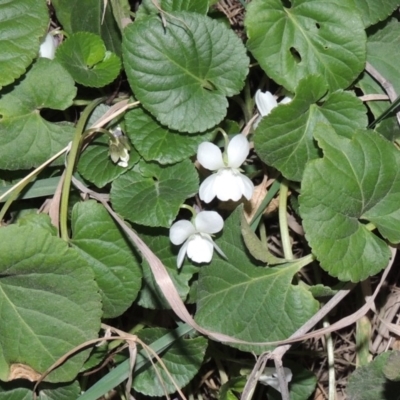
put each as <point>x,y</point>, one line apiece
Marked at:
<point>123,159</point>
<point>228,183</point>
<point>48,47</point>
<point>270,377</point>
<point>119,148</point>
<point>265,103</point>
<point>196,237</point>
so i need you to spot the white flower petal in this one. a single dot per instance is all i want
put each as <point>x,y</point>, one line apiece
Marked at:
<point>226,185</point>
<point>180,231</point>
<point>210,156</point>
<point>123,163</point>
<point>208,222</point>
<point>207,188</point>
<point>48,47</point>
<point>265,102</point>
<point>124,159</point>
<point>247,186</point>
<point>238,150</point>
<point>200,248</point>
<point>285,100</point>
<point>181,255</point>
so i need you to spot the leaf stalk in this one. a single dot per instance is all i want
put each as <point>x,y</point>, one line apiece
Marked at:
<point>71,162</point>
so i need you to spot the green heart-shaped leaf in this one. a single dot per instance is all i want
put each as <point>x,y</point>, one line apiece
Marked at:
<point>251,303</point>
<point>183,72</point>
<point>156,142</point>
<point>85,57</point>
<point>26,138</point>
<point>49,300</point>
<point>87,16</point>
<point>357,179</point>
<point>23,23</point>
<point>151,194</point>
<point>291,43</point>
<point>284,139</point>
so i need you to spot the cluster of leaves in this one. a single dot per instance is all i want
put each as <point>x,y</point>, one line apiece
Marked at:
<point>183,64</point>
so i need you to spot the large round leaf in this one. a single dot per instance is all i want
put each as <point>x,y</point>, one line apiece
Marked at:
<point>22,25</point>
<point>49,303</point>
<point>183,72</point>
<point>311,37</point>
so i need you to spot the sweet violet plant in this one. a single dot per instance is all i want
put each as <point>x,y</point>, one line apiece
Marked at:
<point>300,200</point>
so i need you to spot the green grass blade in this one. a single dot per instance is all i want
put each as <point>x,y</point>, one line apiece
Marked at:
<point>39,188</point>
<point>272,191</point>
<point>388,111</point>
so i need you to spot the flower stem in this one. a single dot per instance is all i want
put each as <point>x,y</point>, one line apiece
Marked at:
<point>225,135</point>
<point>272,191</point>
<point>71,162</point>
<point>249,103</point>
<point>283,223</point>
<point>191,209</point>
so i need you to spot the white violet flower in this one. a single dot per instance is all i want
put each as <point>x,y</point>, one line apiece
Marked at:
<point>227,183</point>
<point>265,103</point>
<point>119,148</point>
<point>196,237</point>
<point>48,47</point>
<point>123,158</point>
